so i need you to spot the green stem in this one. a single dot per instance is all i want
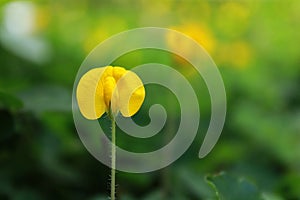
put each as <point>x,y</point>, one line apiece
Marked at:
<point>113,158</point>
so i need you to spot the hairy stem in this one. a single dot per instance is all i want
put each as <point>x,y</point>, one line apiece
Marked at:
<point>113,159</point>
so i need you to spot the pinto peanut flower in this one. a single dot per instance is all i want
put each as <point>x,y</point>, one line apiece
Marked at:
<point>111,90</point>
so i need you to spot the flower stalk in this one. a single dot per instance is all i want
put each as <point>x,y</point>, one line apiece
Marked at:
<point>113,158</point>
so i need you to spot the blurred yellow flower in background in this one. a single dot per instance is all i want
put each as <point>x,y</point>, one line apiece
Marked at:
<point>199,33</point>
<point>109,89</point>
<point>236,54</point>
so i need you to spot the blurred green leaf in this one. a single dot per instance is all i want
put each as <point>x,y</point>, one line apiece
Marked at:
<point>270,196</point>
<point>195,184</point>
<point>9,101</point>
<point>228,187</point>
<point>47,98</point>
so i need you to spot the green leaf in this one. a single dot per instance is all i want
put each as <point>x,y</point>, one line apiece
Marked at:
<point>270,196</point>
<point>9,101</point>
<point>195,184</point>
<point>228,187</point>
<point>44,98</point>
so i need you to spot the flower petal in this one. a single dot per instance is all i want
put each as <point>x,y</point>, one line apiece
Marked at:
<point>90,94</point>
<point>118,72</point>
<point>131,94</point>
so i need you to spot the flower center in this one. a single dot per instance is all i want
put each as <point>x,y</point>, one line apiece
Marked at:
<point>109,86</point>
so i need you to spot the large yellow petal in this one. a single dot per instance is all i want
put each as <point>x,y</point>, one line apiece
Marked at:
<point>131,94</point>
<point>90,94</point>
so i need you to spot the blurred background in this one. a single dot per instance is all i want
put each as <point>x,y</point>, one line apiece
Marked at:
<point>255,45</point>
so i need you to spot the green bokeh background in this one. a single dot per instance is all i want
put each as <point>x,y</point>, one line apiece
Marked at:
<point>255,45</point>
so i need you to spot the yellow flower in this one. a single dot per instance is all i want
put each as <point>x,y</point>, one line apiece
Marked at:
<point>236,54</point>
<point>199,33</point>
<point>109,89</point>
